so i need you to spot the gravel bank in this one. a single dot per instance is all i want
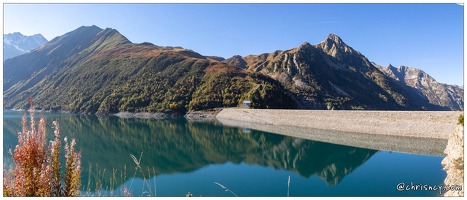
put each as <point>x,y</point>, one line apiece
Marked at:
<point>419,124</point>
<point>425,146</point>
<point>199,115</point>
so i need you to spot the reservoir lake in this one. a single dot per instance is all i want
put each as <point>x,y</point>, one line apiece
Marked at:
<point>206,158</point>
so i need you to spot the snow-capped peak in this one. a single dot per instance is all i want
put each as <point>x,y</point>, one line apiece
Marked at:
<point>15,44</point>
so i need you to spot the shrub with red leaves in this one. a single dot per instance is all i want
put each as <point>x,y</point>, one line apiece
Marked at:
<point>36,167</point>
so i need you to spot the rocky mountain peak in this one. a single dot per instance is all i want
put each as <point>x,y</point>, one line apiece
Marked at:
<point>18,38</point>
<point>335,47</point>
<point>419,82</point>
<point>304,47</point>
<point>305,44</point>
<point>403,68</point>
<point>15,44</point>
<point>333,41</point>
<point>109,33</point>
<point>334,38</point>
<point>77,34</point>
<point>16,34</point>
<point>92,28</point>
<point>413,73</point>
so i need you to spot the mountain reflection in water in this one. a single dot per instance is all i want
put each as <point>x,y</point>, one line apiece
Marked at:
<point>180,146</point>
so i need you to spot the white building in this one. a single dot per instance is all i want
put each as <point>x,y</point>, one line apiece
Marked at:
<point>246,103</point>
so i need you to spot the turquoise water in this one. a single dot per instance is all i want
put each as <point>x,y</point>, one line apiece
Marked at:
<point>180,156</point>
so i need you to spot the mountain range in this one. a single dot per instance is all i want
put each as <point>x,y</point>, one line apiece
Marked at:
<point>343,78</point>
<point>94,70</point>
<point>15,44</point>
<point>417,81</point>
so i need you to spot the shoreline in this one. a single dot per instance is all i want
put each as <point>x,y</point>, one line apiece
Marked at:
<point>391,143</point>
<point>195,115</point>
<point>141,115</point>
<point>417,124</point>
<point>391,135</point>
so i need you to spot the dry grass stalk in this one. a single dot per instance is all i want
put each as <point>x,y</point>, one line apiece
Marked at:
<point>226,189</point>
<point>36,169</point>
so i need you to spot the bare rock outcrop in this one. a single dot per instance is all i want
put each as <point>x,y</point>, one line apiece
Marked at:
<point>450,97</point>
<point>453,163</point>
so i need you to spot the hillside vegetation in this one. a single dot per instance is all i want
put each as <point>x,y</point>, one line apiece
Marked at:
<point>109,74</point>
<point>94,70</point>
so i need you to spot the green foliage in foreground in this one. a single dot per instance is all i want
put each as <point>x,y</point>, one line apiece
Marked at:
<point>460,119</point>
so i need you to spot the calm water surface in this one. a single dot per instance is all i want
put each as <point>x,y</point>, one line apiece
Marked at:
<point>180,156</point>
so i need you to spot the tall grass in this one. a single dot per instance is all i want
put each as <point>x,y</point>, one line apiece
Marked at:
<point>36,168</point>
<point>109,187</point>
<point>149,191</point>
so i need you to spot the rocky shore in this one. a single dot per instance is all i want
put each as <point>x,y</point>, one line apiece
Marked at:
<point>200,115</point>
<point>197,115</point>
<point>453,163</point>
<point>144,115</point>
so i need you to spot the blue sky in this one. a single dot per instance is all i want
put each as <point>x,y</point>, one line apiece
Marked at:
<point>425,36</point>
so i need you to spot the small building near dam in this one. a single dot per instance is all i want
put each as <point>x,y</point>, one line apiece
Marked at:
<point>246,103</point>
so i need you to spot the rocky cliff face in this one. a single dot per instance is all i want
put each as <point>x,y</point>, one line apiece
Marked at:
<point>333,75</point>
<point>453,163</point>
<point>449,97</point>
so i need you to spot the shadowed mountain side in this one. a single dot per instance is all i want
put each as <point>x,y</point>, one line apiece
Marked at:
<point>91,70</point>
<point>425,146</point>
<point>32,67</point>
<point>182,146</point>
